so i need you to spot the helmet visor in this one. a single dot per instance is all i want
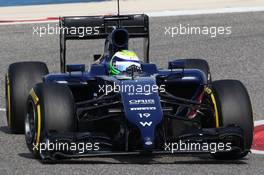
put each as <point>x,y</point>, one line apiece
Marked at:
<point>123,65</point>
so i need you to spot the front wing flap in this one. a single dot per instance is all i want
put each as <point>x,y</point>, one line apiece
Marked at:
<point>97,145</point>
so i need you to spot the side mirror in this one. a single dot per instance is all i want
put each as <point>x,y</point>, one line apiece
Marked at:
<point>75,68</point>
<point>177,64</point>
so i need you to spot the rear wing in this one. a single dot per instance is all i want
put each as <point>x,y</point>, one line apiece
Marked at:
<point>99,27</point>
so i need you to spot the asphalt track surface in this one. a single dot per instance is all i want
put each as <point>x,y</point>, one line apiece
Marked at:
<point>236,56</point>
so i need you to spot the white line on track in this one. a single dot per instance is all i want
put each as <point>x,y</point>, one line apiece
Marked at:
<point>34,21</point>
<point>206,11</point>
<point>258,122</point>
<point>257,152</point>
<point>2,109</point>
<point>156,14</point>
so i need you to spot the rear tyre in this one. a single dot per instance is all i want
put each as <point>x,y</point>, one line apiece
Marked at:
<point>50,108</point>
<point>234,106</point>
<point>200,64</point>
<point>21,77</point>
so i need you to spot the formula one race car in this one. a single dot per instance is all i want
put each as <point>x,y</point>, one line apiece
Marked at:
<point>125,106</point>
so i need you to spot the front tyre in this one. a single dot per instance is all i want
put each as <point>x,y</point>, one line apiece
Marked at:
<point>50,108</point>
<point>234,107</point>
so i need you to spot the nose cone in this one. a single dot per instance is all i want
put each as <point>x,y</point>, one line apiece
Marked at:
<point>142,108</point>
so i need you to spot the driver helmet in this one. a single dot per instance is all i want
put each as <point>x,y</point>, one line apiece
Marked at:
<point>121,60</point>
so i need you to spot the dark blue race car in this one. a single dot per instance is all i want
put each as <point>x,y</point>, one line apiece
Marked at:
<point>123,105</point>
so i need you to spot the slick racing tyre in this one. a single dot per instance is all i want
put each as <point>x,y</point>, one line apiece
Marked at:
<point>50,108</point>
<point>200,64</point>
<point>20,78</point>
<point>234,108</point>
